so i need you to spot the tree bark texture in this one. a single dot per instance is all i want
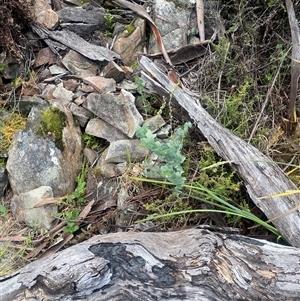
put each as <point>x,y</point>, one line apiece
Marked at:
<point>193,264</point>
<point>261,176</point>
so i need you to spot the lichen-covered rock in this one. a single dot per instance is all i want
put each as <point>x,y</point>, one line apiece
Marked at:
<point>36,161</point>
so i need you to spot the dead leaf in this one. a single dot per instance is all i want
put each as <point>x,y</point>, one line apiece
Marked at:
<point>86,210</point>
<point>56,247</point>
<point>36,250</point>
<point>13,238</point>
<point>47,201</point>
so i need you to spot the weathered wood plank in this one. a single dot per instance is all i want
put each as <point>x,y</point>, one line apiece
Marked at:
<point>191,265</point>
<point>261,176</point>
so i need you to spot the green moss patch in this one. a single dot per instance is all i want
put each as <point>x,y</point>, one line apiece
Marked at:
<point>53,122</point>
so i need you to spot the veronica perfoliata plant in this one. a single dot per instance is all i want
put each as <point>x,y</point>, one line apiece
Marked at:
<point>169,153</point>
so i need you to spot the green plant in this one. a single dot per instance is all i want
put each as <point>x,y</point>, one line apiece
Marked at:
<point>169,153</point>
<point>53,121</point>
<point>3,210</point>
<point>109,24</point>
<point>215,174</point>
<point>90,141</point>
<point>77,195</point>
<point>76,199</point>
<point>3,162</point>
<point>203,194</point>
<point>192,31</point>
<point>83,3</point>
<point>71,218</point>
<point>145,99</point>
<point>130,28</point>
<point>170,203</point>
<point>2,68</point>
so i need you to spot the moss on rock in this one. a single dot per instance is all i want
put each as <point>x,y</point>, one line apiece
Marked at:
<point>53,122</point>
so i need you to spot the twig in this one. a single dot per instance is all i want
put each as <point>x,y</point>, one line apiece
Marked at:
<point>266,101</point>
<point>200,19</point>
<point>295,65</point>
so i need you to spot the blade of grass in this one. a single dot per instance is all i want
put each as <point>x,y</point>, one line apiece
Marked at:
<point>219,202</point>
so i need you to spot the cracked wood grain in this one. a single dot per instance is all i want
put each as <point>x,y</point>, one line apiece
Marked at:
<point>193,264</point>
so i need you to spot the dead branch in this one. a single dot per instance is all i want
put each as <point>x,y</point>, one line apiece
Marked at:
<point>261,176</point>
<point>191,265</point>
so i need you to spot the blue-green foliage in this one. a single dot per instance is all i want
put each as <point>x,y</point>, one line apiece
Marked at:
<point>168,152</point>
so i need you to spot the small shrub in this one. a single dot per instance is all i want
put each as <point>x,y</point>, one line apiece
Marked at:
<point>3,210</point>
<point>169,153</point>
<point>109,24</point>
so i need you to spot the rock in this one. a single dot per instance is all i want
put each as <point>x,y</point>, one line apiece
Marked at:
<point>28,102</point>
<point>82,115</point>
<point>175,18</point>
<point>86,88</point>
<point>62,93</point>
<point>128,85</point>
<point>154,123</point>
<point>90,155</point>
<point>11,67</point>
<point>44,15</point>
<point>81,20</point>
<point>164,132</point>
<point>101,189</point>
<point>130,150</point>
<point>41,217</point>
<point>80,99</point>
<point>71,84</point>
<point>79,65</point>
<point>172,20</point>
<point>55,70</point>
<point>3,180</point>
<point>100,128</point>
<point>127,70</point>
<point>101,84</point>
<point>47,92</point>
<point>78,44</point>
<point>34,119</point>
<point>36,161</point>
<point>45,56</point>
<point>117,110</point>
<point>128,45</point>
<point>81,15</point>
<point>112,70</point>
<point>110,170</point>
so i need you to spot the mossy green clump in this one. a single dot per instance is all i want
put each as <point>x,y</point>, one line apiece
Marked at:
<point>169,204</point>
<point>215,174</point>
<point>53,122</point>
<point>130,28</point>
<point>11,123</point>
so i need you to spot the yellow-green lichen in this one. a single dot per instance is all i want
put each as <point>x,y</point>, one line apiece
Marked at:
<point>11,123</point>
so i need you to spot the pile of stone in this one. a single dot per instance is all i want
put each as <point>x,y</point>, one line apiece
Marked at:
<point>91,82</point>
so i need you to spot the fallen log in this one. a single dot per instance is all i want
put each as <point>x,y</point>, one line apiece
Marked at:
<point>193,264</point>
<point>261,176</point>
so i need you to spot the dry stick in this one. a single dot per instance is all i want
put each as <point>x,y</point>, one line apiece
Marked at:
<point>266,102</point>
<point>260,177</point>
<point>200,19</point>
<point>219,84</point>
<point>295,66</point>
